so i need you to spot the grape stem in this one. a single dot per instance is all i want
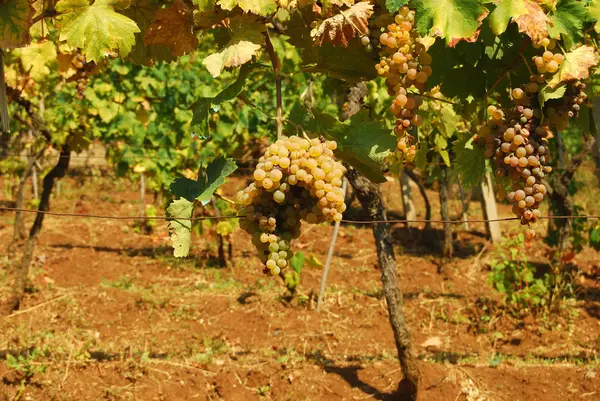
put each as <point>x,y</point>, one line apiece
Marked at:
<point>224,198</point>
<point>507,70</point>
<point>278,78</point>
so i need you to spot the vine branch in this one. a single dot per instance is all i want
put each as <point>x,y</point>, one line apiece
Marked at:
<point>278,78</point>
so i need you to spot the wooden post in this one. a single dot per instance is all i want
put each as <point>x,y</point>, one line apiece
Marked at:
<point>410,212</point>
<point>336,230</point>
<point>448,246</point>
<point>488,204</point>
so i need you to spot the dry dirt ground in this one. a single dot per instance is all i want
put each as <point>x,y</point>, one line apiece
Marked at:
<point>113,316</point>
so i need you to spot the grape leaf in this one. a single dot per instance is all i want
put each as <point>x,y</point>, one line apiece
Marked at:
<point>173,27</point>
<point>595,237</point>
<point>454,20</point>
<point>362,141</point>
<point>246,40</point>
<point>567,22</point>
<point>258,7</point>
<point>201,108</point>
<point>204,5</point>
<point>528,15</point>
<point>297,262</point>
<point>36,58</point>
<point>142,12</point>
<point>340,28</point>
<point>351,63</point>
<point>548,93</point>
<point>593,14</point>
<point>395,5</point>
<point>180,231</point>
<point>96,28</point>
<point>469,161</point>
<point>209,179</point>
<point>15,20</point>
<point>576,65</point>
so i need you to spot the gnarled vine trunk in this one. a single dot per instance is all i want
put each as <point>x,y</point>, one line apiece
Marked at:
<point>19,231</point>
<point>561,202</point>
<point>370,198</point>
<point>22,270</point>
<point>447,246</point>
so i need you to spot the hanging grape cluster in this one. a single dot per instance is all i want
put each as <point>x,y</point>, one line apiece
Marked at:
<point>81,75</point>
<point>405,64</point>
<point>296,179</point>
<point>517,138</point>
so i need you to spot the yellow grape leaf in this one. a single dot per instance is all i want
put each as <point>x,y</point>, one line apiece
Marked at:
<point>15,20</point>
<point>246,40</point>
<point>528,15</point>
<point>40,28</point>
<point>36,58</point>
<point>173,27</point>
<point>258,7</point>
<point>576,65</point>
<point>97,28</point>
<point>342,27</point>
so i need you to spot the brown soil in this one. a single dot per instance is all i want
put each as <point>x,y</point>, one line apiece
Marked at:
<point>113,316</point>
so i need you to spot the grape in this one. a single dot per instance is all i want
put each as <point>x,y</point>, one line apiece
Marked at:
<point>294,180</point>
<point>406,66</point>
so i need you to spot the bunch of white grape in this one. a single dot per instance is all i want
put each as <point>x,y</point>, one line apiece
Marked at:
<point>406,65</point>
<point>296,179</point>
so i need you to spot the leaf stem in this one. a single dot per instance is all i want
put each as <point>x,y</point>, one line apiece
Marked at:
<point>278,78</point>
<point>224,198</point>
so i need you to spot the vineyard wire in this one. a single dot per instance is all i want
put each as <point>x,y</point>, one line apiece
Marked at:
<point>108,217</point>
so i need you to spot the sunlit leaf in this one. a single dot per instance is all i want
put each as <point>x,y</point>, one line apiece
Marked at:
<point>180,231</point>
<point>528,15</point>
<point>36,58</point>
<point>246,40</point>
<point>342,27</point>
<point>575,66</point>
<point>454,20</point>
<point>97,28</point>
<point>258,7</point>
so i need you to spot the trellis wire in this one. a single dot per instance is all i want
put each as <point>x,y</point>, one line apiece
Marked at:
<point>109,217</point>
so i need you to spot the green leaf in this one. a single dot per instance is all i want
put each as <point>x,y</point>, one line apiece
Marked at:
<point>180,230</point>
<point>204,5</point>
<point>549,93</point>
<point>37,57</point>
<point>224,228</point>
<point>445,157</point>
<point>469,161</point>
<point>593,14</point>
<point>567,22</point>
<point>362,141</point>
<point>313,260</point>
<point>209,179</point>
<point>595,237</point>
<point>246,40</point>
<point>454,20</point>
<point>97,28</point>
<point>528,15</point>
<point>394,5</point>
<point>201,108</point>
<point>297,262</point>
<point>15,20</point>
<point>258,7</point>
